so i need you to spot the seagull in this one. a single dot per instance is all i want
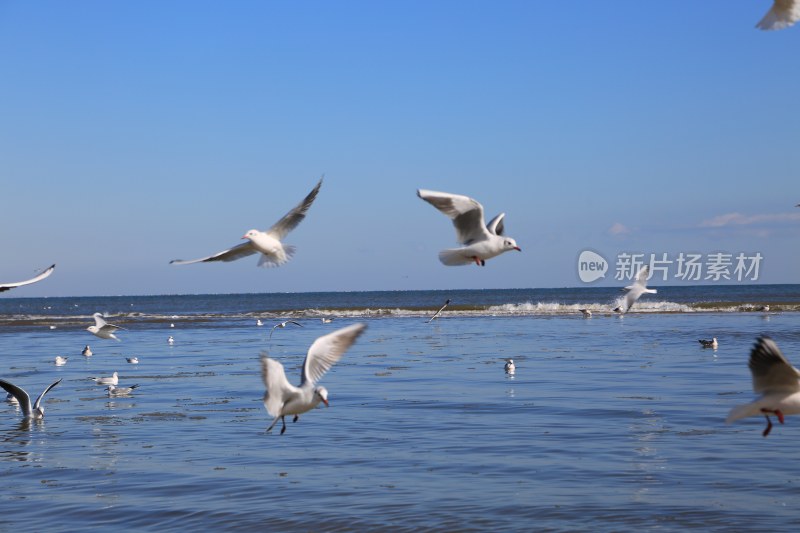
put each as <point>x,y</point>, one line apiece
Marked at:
<point>586,313</point>
<point>634,291</point>
<point>775,379</point>
<point>283,325</point>
<point>784,13</point>
<point>764,308</point>
<point>326,320</point>
<point>28,411</point>
<point>113,390</point>
<point>259,323</point>
<point>113,380</point>
<point>170,340</point>
<point>87,351</point>
<point>446,303</point>
<point>509,366</point>
<point>268,243</point>
<point>61,361</point>
<point>481,241</point>
<point>102,329</point>
<point>172,325</point>
<point>132,360</point>
<point>282,398</point>
<point>40,277</point>
<point>709,344</point>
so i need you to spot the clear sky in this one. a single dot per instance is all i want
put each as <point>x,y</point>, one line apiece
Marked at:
<point>132,133</point>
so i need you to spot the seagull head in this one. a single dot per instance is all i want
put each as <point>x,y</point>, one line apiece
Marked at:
<point>511,244</point>
<point>38,412</point>
<point>322,394</point>
<point>92,329</point>
<point>250,234</point>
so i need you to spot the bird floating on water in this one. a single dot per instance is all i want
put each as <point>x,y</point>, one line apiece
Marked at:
<point>34,411</point>
<point>709,344</point>
<point>87,352</point>
<point>509,367</point>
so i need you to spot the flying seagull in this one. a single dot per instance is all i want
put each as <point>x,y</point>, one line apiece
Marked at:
<point>586,313</point>
<point>267,243</point>
<point>784,13</point>
<point>634,291</point>
<point>40,277</point>
<point>282,325</point>
<point>481,241</point>
<point>446,303</point>
<point>28,411</point>
<point>776,380</point>
<point>102,329</point>
<point>282,398</point>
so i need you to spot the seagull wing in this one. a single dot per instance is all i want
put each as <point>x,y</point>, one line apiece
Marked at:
<point>279,390</point>
<point>295,323</point>
<point>102,325</point>
<point>641,277</point>
<point>784,13</point>
<point>290,220</point>
<point>45,391</point>
<point>232,254</point>
<point>771,371</point>
<point>327,350</point>
<point>40,277</point>
<point>20,394</point>
<point>466,214</point>
<point>496,225</point>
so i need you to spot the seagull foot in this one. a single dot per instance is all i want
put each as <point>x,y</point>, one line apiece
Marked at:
<point>296,418</point>
<point>769,426</point>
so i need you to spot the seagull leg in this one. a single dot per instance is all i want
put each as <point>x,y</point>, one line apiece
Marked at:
<point>779,415</point>
<point>769,425</point>
<point>296,418</point>
<point>283,429</point>
<point>273,424</point>
<point>477,260</point>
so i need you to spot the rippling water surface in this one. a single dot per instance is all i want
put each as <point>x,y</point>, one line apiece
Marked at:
<point>608,424</point>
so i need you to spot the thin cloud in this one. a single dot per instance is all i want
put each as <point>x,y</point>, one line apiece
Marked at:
<point>738,219</point>
<point>618,229</point>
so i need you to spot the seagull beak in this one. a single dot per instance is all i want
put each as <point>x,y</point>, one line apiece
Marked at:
<point>517,248</point>
<point>326,403</point>
<point>244,236</point>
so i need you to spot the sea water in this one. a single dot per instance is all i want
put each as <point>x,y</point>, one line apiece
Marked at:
<point>609,423</point>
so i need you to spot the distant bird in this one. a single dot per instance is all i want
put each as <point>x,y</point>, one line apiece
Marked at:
<point>132,360</point>
<point>634,291</point>
<point>40,277</point>
<point>87,351</point>
<point>103,329</point>
<point>282,325</point>
<point>60,361</point>
<point>113,380</point>
<point>170,340</point>
<point>282,398</point>
<point>259,323</point>
<point>446,303</point>
<point>268,243</point>
<point>709,344</point>
<point>776,380</point>
<point>114,391</point>
<point>783,14</point>
<point>764,308</point>
<point>326,320</point>
<point>509,367</point>
<point>28,411</point>
<point>586,313</point>
<point>481,241</point>
<point>52,327</point>
<point>172,325</point>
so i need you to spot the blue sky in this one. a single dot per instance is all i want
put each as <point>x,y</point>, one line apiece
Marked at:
<point>132,133</point>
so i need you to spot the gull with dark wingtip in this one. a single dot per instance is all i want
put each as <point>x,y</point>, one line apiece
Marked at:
<point>34,411</point>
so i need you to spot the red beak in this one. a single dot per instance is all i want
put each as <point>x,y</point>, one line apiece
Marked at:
<point>517,248</point>
<point>326,403</point>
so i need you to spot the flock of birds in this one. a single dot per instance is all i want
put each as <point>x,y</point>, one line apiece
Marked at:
<point>777,381</point>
